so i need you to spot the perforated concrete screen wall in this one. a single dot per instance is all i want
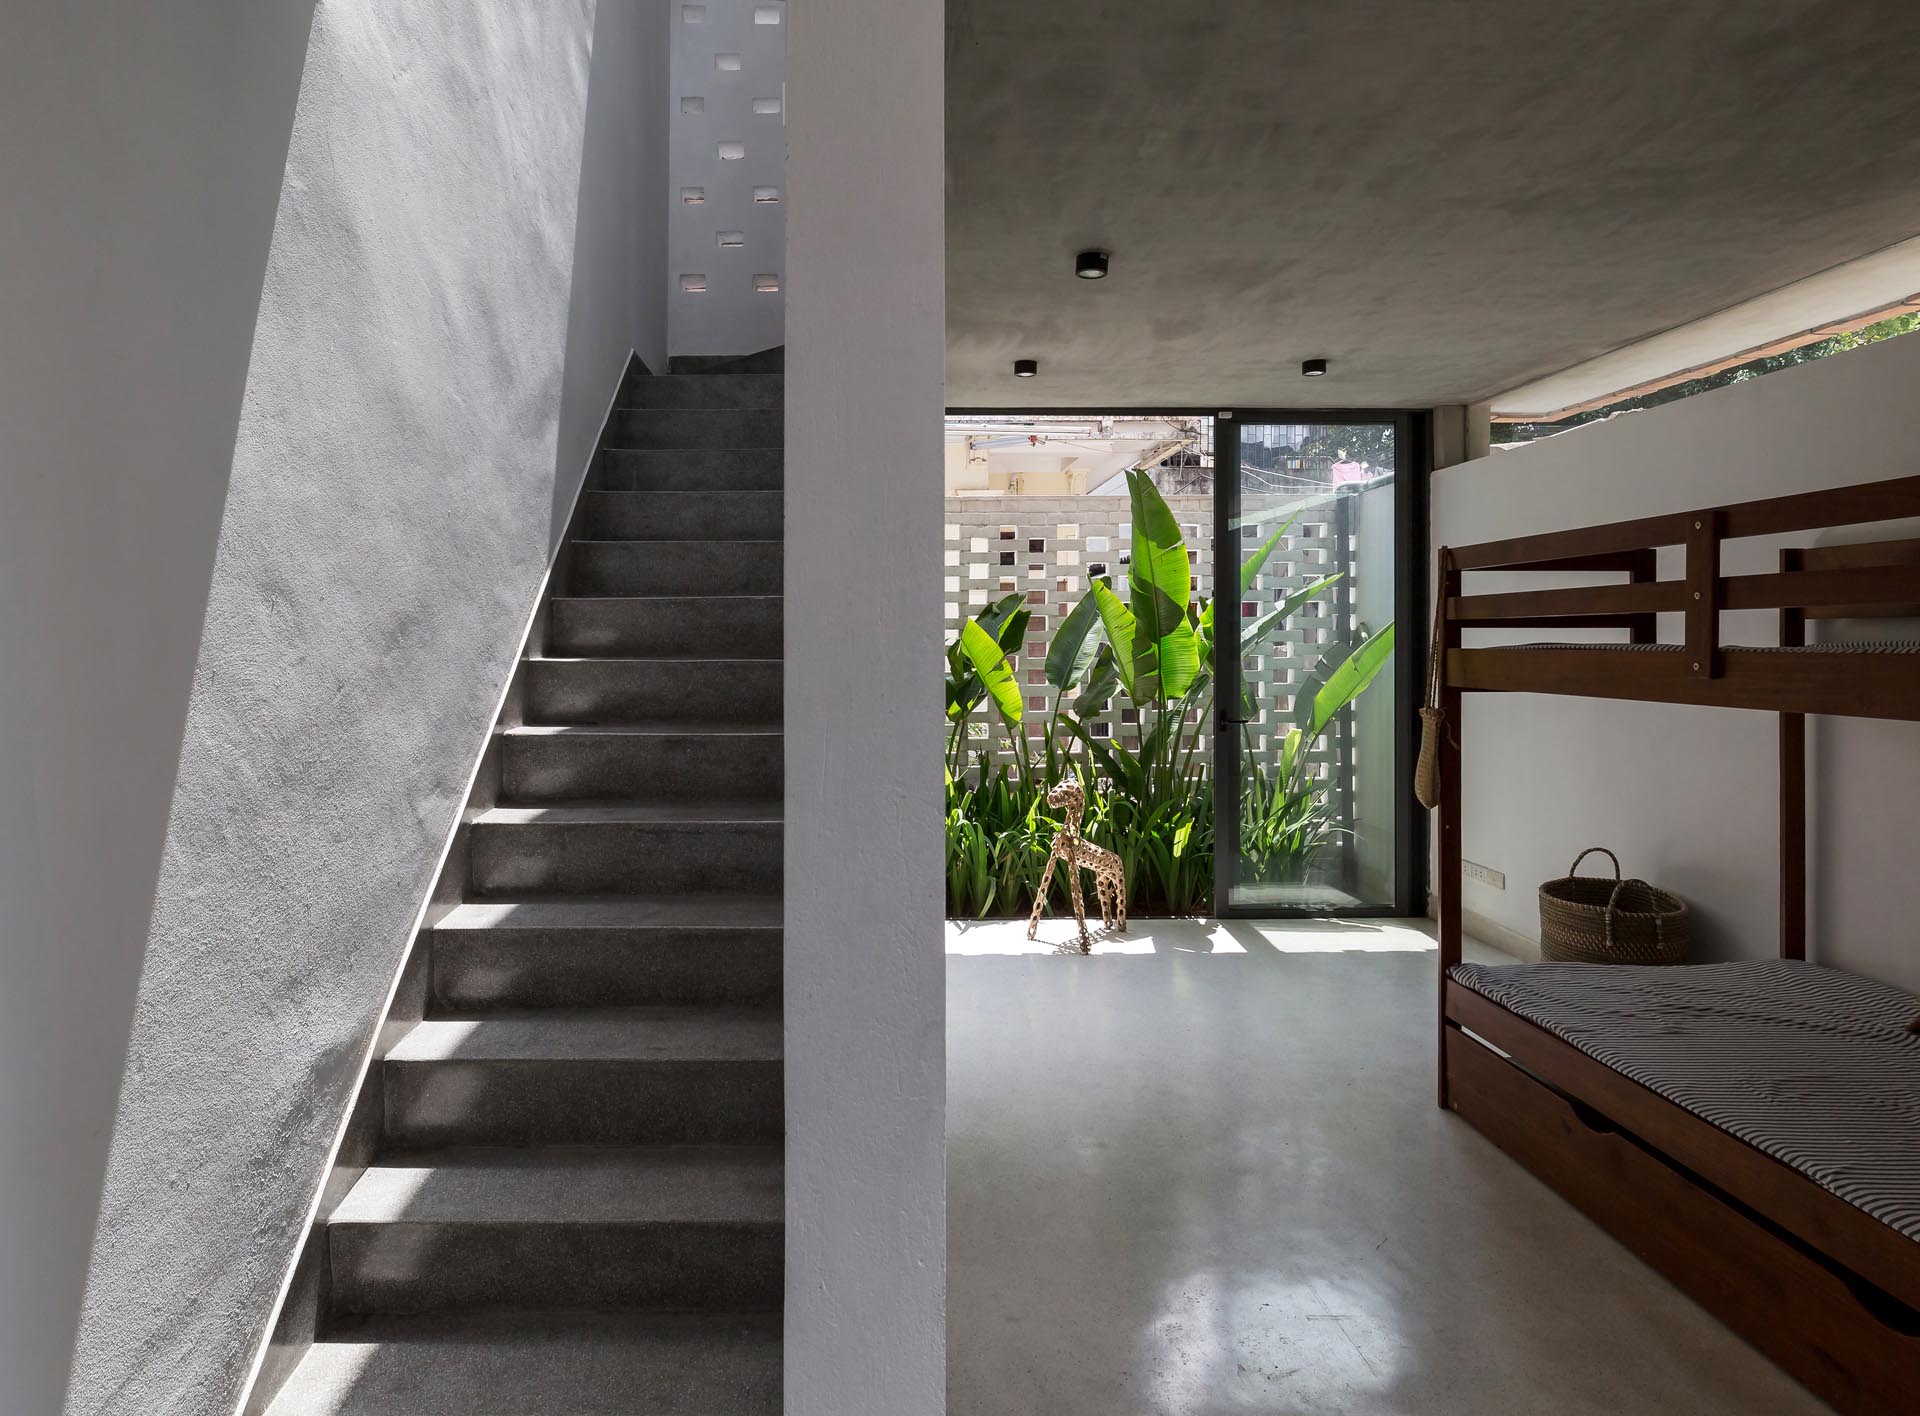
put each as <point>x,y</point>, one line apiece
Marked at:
<point>1046,548</point>
<point>727,233</point>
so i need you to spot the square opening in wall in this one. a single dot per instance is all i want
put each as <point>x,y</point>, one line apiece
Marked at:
<point>766,196</point>
<point>727,63</point>
<point>766,106</point>
<point>693,105</point>
<point>766,284</point>
<point>693,285</point>
<point>693,14</point>
<point>692,196</point>
<point>1007,533</point>
<point>732,152</point>
<point>766,14</point>
<point>732,240</point>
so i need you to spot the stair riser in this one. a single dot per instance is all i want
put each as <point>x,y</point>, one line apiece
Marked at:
<point>683,516</point>
<point>682,428</point>
<point>625,858</point>
<point>612,692</point>
<point>703,391</point>
<point>666,628</point>
<point>676,567</point>
<point>479,970</point>
<point>630,766</point>
<point>427,1267</point>
<point>713,469</point>
<point>765,361</point>
<point>582,1103</point>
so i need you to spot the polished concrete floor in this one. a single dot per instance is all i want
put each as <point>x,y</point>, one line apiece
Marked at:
<point>1202,1172</point>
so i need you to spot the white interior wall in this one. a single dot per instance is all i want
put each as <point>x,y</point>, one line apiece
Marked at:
<point>865,977</point>
<point>730,316</point>
<point>1686,795</point>
<point>312,315</point>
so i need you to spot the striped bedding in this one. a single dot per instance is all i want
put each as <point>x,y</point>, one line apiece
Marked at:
<point>1835,646</point>
<point>1811,1065</point>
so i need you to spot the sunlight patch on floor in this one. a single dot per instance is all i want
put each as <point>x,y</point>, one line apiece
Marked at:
<point>1196,936</point>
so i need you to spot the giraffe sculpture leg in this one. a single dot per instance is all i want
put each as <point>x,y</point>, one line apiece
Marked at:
<point>1079,902</point>
<point>1040,897</point>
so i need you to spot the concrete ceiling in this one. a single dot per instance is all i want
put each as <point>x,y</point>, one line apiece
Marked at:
<point>1445,200</point>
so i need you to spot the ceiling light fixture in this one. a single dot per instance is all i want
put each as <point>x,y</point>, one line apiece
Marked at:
<point>1025,368</point>
<point>1313,368</point>
<point>1091,265</point>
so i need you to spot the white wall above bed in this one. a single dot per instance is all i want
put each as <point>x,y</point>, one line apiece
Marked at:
<point>1687,795</point>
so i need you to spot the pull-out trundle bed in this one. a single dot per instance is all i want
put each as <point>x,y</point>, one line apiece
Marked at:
<point>1752,1130</point>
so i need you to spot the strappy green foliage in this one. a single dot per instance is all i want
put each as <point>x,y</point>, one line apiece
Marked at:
<point>1151,804</point>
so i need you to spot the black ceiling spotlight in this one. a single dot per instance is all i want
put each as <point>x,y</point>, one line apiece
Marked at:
<point>1025,368</point>
<point>1091,265</point>
<point>1313,368</point>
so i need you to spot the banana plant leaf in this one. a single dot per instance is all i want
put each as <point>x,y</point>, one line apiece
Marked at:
<point>1166,651</point>
<point>1101,680</point>
<point>1350,679</point>
<point>989,662</point>
<point>1250,570</point>
<point>1069,654</point>
<point>1342,674</point>
<point>1258,629</point>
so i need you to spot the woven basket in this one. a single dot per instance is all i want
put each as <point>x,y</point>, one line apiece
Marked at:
<point>1586,919</point>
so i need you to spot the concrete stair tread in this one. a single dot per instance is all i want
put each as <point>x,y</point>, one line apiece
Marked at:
<point>571,1185</point>
<point>536,1363</point>
<point>678,1033</point>
<point>619,912</point>
<point>656,727</point>
<point>634,813</point>
<point>674,599</point>
<point>757,542</point>
<point>768,407</point>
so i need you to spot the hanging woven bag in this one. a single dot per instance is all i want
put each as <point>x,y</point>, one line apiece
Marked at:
<point>1433,718</point>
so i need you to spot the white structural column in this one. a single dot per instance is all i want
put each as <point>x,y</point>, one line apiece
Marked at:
<point>865,998</point>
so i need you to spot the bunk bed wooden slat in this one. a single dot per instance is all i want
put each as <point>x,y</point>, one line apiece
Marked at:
<point>1862,685</point>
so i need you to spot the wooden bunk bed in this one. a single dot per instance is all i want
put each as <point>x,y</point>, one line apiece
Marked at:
<point>1823,1279</point>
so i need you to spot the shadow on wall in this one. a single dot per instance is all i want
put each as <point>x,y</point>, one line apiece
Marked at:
<point>144,162</point>
<point>329,473</point>
<point>618,226</point>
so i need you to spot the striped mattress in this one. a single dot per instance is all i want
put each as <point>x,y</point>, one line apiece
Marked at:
<point>1811,1065</point>
<point>1832,646</point>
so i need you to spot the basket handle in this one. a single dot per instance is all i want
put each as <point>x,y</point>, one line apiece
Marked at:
<point>1659,928</point>
<point>1574,869</point>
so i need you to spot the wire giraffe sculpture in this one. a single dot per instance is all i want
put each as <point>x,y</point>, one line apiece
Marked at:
<point>1109,876</point>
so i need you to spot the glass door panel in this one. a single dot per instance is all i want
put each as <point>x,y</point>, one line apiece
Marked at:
<point>1307,745</point>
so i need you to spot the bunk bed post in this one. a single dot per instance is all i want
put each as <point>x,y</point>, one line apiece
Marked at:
<point>1703,594</point>
<point>1451,737</point>
<point>1793,794</point>
<point>1643,568</point>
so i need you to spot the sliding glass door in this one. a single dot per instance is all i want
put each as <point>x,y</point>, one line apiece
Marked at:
<point>1312,735</point>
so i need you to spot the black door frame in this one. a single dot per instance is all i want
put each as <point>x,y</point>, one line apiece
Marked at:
<point>1412,472</point>
<point>1411,435</point>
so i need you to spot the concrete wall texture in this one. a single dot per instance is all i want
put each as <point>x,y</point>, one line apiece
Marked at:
<point>729,87</point>
<point>865,979</point>
<point>327,303</point>
<point>1686,796</point>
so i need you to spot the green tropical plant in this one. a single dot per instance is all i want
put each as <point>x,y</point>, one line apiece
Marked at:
<point>1150,804</point>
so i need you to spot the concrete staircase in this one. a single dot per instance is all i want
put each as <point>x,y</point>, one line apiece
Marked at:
<point>572,1197</point>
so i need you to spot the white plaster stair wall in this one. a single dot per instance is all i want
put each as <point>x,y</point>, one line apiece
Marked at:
<point>281,466</point>
<point>865,977</point>
<point>1687,795</point>
<point>729,87</point>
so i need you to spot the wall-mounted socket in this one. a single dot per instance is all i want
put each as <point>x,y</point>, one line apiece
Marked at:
<point>1484,874</point>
